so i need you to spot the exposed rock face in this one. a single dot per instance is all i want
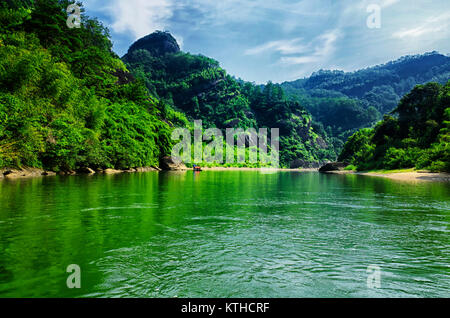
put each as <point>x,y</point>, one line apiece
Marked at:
<point>304,164</point>
<point>86,170</point>
<point>24,173</point>
<point>67,173</point>
<point>234,123</point>
<point>158,44</point>
<point>112,171</point>
<point>168,164</point>
<point>123,77</point>
<point>49,173</point>
<point>333,166</point>
<point>35,172</point>
<point>322,143</point>
<point>147,169</point>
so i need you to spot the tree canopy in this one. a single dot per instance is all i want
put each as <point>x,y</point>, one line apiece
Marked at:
<point>64,103</point>
<point>418,137</point>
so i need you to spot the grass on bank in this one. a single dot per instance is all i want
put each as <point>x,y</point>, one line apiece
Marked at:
<point>383,171</point>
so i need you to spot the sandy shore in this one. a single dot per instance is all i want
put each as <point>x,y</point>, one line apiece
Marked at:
<point>412,176</point>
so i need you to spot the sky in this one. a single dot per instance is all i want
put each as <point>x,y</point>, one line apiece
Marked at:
<point>284,40</point>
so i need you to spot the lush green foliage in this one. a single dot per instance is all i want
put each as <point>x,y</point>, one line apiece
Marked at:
<point>66,101</point>
<point>419,137</point>
<point>199,87</point>
<point>345,102</point>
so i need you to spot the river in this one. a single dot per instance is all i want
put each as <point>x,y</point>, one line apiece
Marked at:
<point>224,234</point>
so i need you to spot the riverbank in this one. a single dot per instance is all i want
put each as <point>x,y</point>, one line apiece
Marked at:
<point>402,175</point>
<point>12,174</point>
<point>36,172</point>
<point>256,169</point>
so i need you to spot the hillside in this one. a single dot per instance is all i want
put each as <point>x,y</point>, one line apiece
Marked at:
<point>199,87</point>
<point>67,101</point>
<point>418,137</point>
<point>344,102</point>
<point>316,115</point>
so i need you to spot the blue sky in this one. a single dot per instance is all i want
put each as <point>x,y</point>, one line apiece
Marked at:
<point>282,40</point>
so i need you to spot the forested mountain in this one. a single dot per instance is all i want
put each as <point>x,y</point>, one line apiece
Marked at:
<point>343,102</point>
<point>199,87</point>
<point>417,137</point>
<point>67,101</point>
<point>316,115</point>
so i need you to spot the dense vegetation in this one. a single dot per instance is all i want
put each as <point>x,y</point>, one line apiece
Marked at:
<point>67,101</point>
<point>417,137</point>
<point>344,102</point>
<point>199,87</point>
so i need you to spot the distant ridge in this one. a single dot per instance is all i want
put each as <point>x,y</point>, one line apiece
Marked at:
<point>315,115</point>
<point>401,75</point>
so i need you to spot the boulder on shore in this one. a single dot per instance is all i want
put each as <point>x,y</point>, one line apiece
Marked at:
<point>67,173</point>
<point>333,166</point>
<point>23,173</point>
<point>299,163</point>
<point>147,169</point>
<point>49,173</point>
<point>168,164</point>
<point>86,170</point>
<point>112,171</point>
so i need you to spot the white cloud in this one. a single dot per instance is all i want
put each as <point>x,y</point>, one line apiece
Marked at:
<point>286,14</point>
<point>433,25</point>
<point>179,39</point>
<point>388,3</point>
<point>298,36</point>
<point>294,52</point>
<point>292,60</point>
<point>323,48</point>
<point>139,17</point>
<point>281,46</point>
<point>415,32</point>
<point>365,3</point>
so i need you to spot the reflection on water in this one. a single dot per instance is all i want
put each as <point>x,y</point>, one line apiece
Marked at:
<point>224,234</point>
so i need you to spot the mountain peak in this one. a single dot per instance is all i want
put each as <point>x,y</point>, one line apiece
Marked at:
<point>158,43</point>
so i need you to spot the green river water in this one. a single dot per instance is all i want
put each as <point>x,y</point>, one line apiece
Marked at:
<point>224,234</point>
